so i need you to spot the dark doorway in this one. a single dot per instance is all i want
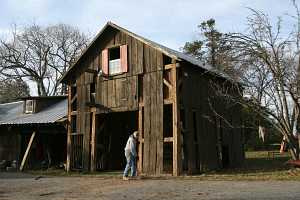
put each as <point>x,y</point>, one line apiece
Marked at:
<point>225,156</point>
<point>113,130</point>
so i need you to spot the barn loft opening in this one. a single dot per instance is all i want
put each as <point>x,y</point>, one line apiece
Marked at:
<point>114,61</point>
<point>113,130</point>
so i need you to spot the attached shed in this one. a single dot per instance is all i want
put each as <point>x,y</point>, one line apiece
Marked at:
<point>33,131</point>
<point>124,82</point>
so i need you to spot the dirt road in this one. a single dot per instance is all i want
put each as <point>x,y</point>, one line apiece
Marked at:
<point>28,187</point>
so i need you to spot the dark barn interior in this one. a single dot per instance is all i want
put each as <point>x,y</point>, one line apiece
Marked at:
<point>112,138</point>
<point>48,148</point>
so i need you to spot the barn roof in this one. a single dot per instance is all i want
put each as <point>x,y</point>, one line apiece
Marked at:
<point>9,111</point>
<point>12,114</point>
<point>167,51</point>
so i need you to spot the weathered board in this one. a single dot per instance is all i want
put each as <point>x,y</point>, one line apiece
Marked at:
<point>202,112</point>
<point>153,126</point>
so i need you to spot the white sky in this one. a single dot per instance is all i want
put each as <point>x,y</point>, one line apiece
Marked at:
<point>169,22</point>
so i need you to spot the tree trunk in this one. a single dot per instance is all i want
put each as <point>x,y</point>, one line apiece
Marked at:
<point>298,146</point>
<point>41,88</point>
<point>292,145</point>
<point>63,89</point>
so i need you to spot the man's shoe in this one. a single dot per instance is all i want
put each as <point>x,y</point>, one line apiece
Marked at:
<point>125,178</point>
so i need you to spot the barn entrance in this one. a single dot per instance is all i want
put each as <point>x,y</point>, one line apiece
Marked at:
<point>112,132</point>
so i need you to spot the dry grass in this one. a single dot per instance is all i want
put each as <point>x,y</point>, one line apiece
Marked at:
<point>257,166</point>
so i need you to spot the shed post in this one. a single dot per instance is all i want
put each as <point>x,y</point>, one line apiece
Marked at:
<point>140,150</point>
<point>176,119</point>
<point>69,149</point>
<point>93,141</point>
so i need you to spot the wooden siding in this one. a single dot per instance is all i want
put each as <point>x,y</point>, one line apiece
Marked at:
<point>120,92</point>
<point>162,81</point>
<point>203,124</point>
<point>153,123</point>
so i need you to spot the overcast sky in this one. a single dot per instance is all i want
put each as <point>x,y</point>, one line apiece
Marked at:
<point>169,22</point>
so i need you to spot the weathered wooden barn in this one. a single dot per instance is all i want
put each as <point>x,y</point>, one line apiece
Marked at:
<point>124,82</point>
<point>33,131</point>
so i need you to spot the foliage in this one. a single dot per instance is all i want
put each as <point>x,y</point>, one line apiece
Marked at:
<point>211,48</point>
<point>12,89</point>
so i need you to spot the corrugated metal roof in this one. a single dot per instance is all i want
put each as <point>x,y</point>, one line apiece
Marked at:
<point>11,110</point>
<point>170,52</point>
<point>17,117</point>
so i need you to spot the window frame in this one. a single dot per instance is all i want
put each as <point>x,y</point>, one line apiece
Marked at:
<point>105,60</point>
<point>119,60</point>
<point>29,111</point>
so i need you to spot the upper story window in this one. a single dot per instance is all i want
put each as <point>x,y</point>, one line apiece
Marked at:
<point>29,106</point>
<point>114,60</point>
<point>114,64</point>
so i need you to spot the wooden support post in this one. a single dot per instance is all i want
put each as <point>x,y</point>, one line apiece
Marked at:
<point>69,149</point>
<point>176,128</point>
<point>27,152</point>
<point>140,150</point>
<point>93,143</point>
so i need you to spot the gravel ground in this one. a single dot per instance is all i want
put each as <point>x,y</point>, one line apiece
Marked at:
<point>21,186</point>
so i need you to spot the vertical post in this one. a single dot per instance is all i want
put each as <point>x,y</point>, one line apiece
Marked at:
<point>69,150</point>
<point>27,152</point>
<point>176,127</point>
<point>93,142</point>
<point>140,150</point>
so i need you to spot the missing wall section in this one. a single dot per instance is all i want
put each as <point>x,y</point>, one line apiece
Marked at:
<point>168,157</point>
<point>168,120</point>
<point>195,133</point>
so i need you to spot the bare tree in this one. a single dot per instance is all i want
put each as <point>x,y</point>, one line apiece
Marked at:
<point>42,55</point>
<point>270,62</point>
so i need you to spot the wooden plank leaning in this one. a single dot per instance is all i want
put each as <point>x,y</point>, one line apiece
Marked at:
<point>27,152</point>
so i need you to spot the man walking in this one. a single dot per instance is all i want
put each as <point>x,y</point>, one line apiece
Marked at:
<point>130,154</point>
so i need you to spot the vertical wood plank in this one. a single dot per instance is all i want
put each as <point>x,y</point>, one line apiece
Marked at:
<point>105,93</point>
<point>160,118</point>
<point>140,56</point>
<point>93,143</point>
<point>176,128</point>
<point>27,152</point>
<point>147,68</point>
<point>147,123</point>
<point>140,150</point>
<point>69,144</point>
<point>124,58</point>
<point>134,56</point>
<point>153,130</point>
<point>87,140</point>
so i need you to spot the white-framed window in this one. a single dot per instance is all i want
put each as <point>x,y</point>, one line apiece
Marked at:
<point>114,61</point>
<point>29,106</point>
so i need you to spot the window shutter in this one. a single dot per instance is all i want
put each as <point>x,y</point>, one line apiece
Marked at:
<point>123,56</point>
<point>105,61</point>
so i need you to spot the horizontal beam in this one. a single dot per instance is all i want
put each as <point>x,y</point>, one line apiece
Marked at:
<point>171,66</point>
<point>74,113</point>
<point>92,71</point>
<point>168,139</point>
<point>168,101</point>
